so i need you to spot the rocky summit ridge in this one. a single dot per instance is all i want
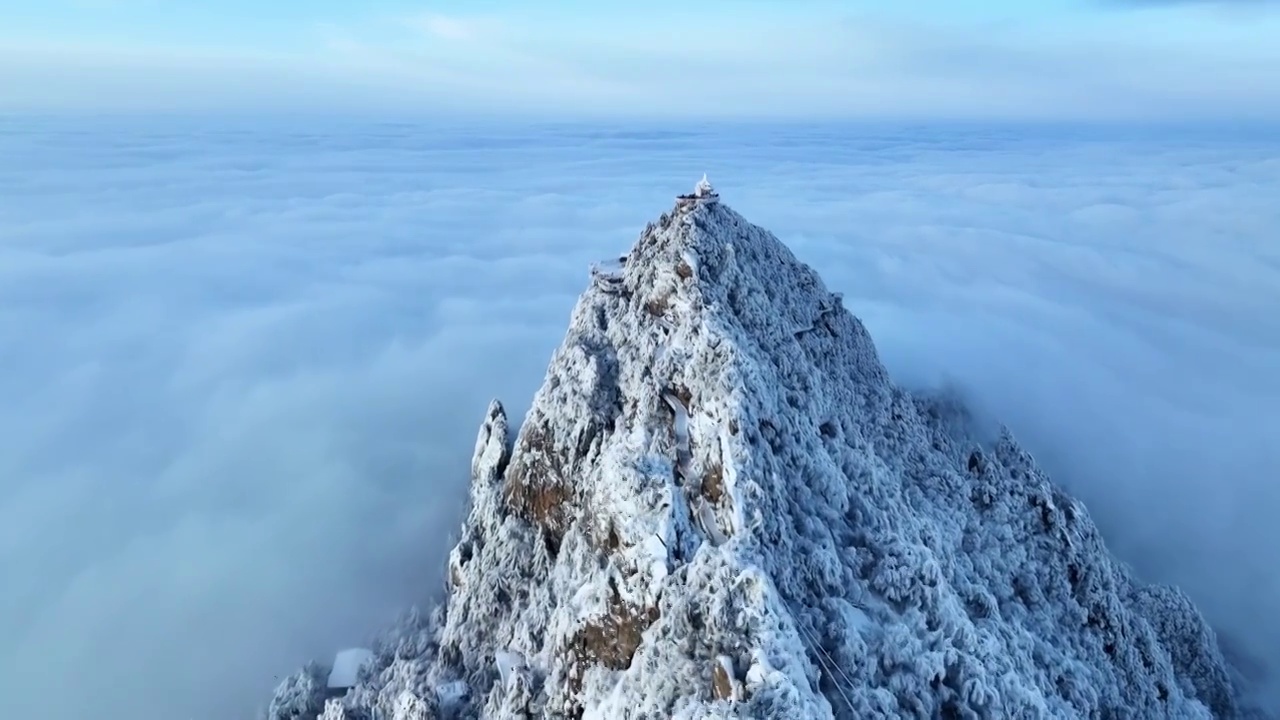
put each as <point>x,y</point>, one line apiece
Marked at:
<point>720,506</point>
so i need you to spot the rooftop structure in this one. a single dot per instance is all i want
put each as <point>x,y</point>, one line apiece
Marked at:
<point>702,192</point>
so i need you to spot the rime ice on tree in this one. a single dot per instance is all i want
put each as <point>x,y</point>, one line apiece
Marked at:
<point>719,505</point>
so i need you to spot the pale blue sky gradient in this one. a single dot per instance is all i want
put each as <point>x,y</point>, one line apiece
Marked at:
<point>1058,59</point>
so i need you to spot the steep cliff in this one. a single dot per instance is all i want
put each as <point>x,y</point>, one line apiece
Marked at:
<point>720,505</point>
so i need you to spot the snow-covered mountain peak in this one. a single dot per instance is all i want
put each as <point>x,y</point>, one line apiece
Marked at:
<point>719,505</point>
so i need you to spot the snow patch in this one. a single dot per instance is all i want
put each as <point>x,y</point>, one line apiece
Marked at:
<point>508,664</point>
<point>720,505</point>
<point>347,665</point>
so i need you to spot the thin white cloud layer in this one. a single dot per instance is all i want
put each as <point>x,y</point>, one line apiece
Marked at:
<point>1170,61</point>
<point>244,364</point>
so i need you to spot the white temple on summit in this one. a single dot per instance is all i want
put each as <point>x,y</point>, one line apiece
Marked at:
<point>702,192</point>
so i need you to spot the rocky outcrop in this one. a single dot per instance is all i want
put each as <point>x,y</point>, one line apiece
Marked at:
<point>720,505</point>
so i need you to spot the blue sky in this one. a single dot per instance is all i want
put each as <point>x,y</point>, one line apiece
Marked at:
<point>1061,59</point>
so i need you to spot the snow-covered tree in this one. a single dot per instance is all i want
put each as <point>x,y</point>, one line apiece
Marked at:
<point>720,505</point>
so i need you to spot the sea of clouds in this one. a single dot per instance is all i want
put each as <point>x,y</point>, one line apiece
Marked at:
<point>242,362</point>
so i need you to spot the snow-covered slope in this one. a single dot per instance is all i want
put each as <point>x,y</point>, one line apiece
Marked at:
<point>719,505</point>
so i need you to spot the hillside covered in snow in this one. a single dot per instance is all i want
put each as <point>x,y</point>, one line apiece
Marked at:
<point>720,506</point>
